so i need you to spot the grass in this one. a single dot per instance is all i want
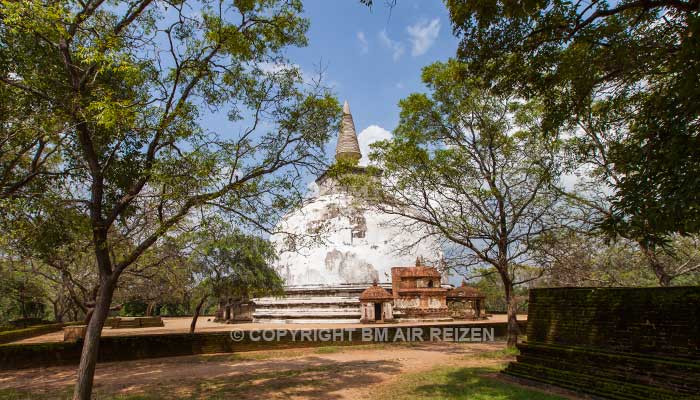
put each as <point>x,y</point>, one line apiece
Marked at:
<point>454,383</point>
<point>12,394</point>
<point>341,349</point>
<point>506,352</point>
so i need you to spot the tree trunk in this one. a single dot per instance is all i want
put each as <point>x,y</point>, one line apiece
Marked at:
<point>512,310</point>
<point>57,314</point>
<point>88,357</point>
<point>657,266</point>
<point>88,315</point>
<point>196,313</point>
<point>149,308</point>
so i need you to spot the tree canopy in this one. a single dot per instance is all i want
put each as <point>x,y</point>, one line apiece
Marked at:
<point>119,92</point>
<point>640,57</point>
<point>472,167</point>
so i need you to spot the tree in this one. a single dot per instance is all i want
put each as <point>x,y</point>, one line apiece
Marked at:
<point>30,137</point>
<point>589,151</point>
<point>230,263</point>
<point>641,56</point>
<point>474,168</point>
<point>132,85</point>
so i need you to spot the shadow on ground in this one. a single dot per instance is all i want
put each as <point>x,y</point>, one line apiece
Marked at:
<point>464,383</point>
<point>310,377</point>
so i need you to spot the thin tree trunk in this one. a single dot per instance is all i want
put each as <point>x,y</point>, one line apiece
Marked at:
<point>88,357</point>
<point>149,309</point>
<point>196,314</point>
<point>57,315</point>
<point>512,307</point>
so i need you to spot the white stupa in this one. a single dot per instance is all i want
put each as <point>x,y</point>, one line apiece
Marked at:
<point>357,246</point>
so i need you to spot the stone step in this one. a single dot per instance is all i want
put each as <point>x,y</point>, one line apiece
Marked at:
<point>307,300</point>
<point>306,313</point>
<point>309,320</point>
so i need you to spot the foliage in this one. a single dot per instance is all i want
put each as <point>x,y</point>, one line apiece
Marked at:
<point>21,295</point>
<point>639,58</point>
<point>230,263</point>
<point>473,168</point>
<point>129,87</point>
<point>491,286</point>
<point>584,260</point>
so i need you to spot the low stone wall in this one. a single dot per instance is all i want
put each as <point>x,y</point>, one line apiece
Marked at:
<point>619,343</point>
<point>25,333</point>
<point>135,322</point>
<point>121,348</point>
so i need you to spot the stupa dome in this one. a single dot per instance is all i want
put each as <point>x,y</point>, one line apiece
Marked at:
<point>357,245</point>
<point>354,245</point>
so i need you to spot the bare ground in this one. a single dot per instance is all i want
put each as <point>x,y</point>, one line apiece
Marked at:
<point>357,372</point>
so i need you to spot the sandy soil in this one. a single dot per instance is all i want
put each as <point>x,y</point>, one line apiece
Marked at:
<point>350,373</point>
<point>205,324</point>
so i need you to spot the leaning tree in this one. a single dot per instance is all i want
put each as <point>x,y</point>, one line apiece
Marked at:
<point>474,169</point>
<point>130,85</point>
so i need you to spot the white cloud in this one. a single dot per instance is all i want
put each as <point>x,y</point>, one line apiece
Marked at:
<point>369,135</point>
<point>364,45</point>
<point>397,48</point>
<point>422,35</point>
<point>399,85</point>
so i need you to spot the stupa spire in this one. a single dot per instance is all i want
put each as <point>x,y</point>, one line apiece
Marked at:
<point>348,148</point>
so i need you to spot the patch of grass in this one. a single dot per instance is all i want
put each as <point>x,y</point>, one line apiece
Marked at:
<point>329,350</point>
<point>454,383</point>
<point>11,394</point>
<point>340,349</point>
<point>14,394</point>
<point>252,356</point>
<point>505,352</point>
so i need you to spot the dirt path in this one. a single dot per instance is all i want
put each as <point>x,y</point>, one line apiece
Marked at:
<point>323,373</point>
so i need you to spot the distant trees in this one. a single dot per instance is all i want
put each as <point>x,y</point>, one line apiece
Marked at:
<point>472,167</point>
<point>229,263</point>
<point>122,92</point>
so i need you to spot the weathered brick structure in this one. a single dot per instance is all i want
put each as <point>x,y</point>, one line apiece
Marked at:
<point>235,310</point>
<point>376,305</point>
<point>618,343</point>
<point>418,294</point>
<point>466,302</point>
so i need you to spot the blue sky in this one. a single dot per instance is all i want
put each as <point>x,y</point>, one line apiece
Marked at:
<point>373,58</point>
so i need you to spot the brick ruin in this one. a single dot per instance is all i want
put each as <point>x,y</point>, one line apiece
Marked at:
<point>418,294</point>
<point>234,310</point>
<point>619,343</point>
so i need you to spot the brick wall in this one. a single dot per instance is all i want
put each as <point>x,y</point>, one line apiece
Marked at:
<point>622,343</point>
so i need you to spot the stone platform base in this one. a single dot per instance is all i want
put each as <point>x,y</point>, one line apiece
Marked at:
<point>312,304</point>
<point>136,322</point>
